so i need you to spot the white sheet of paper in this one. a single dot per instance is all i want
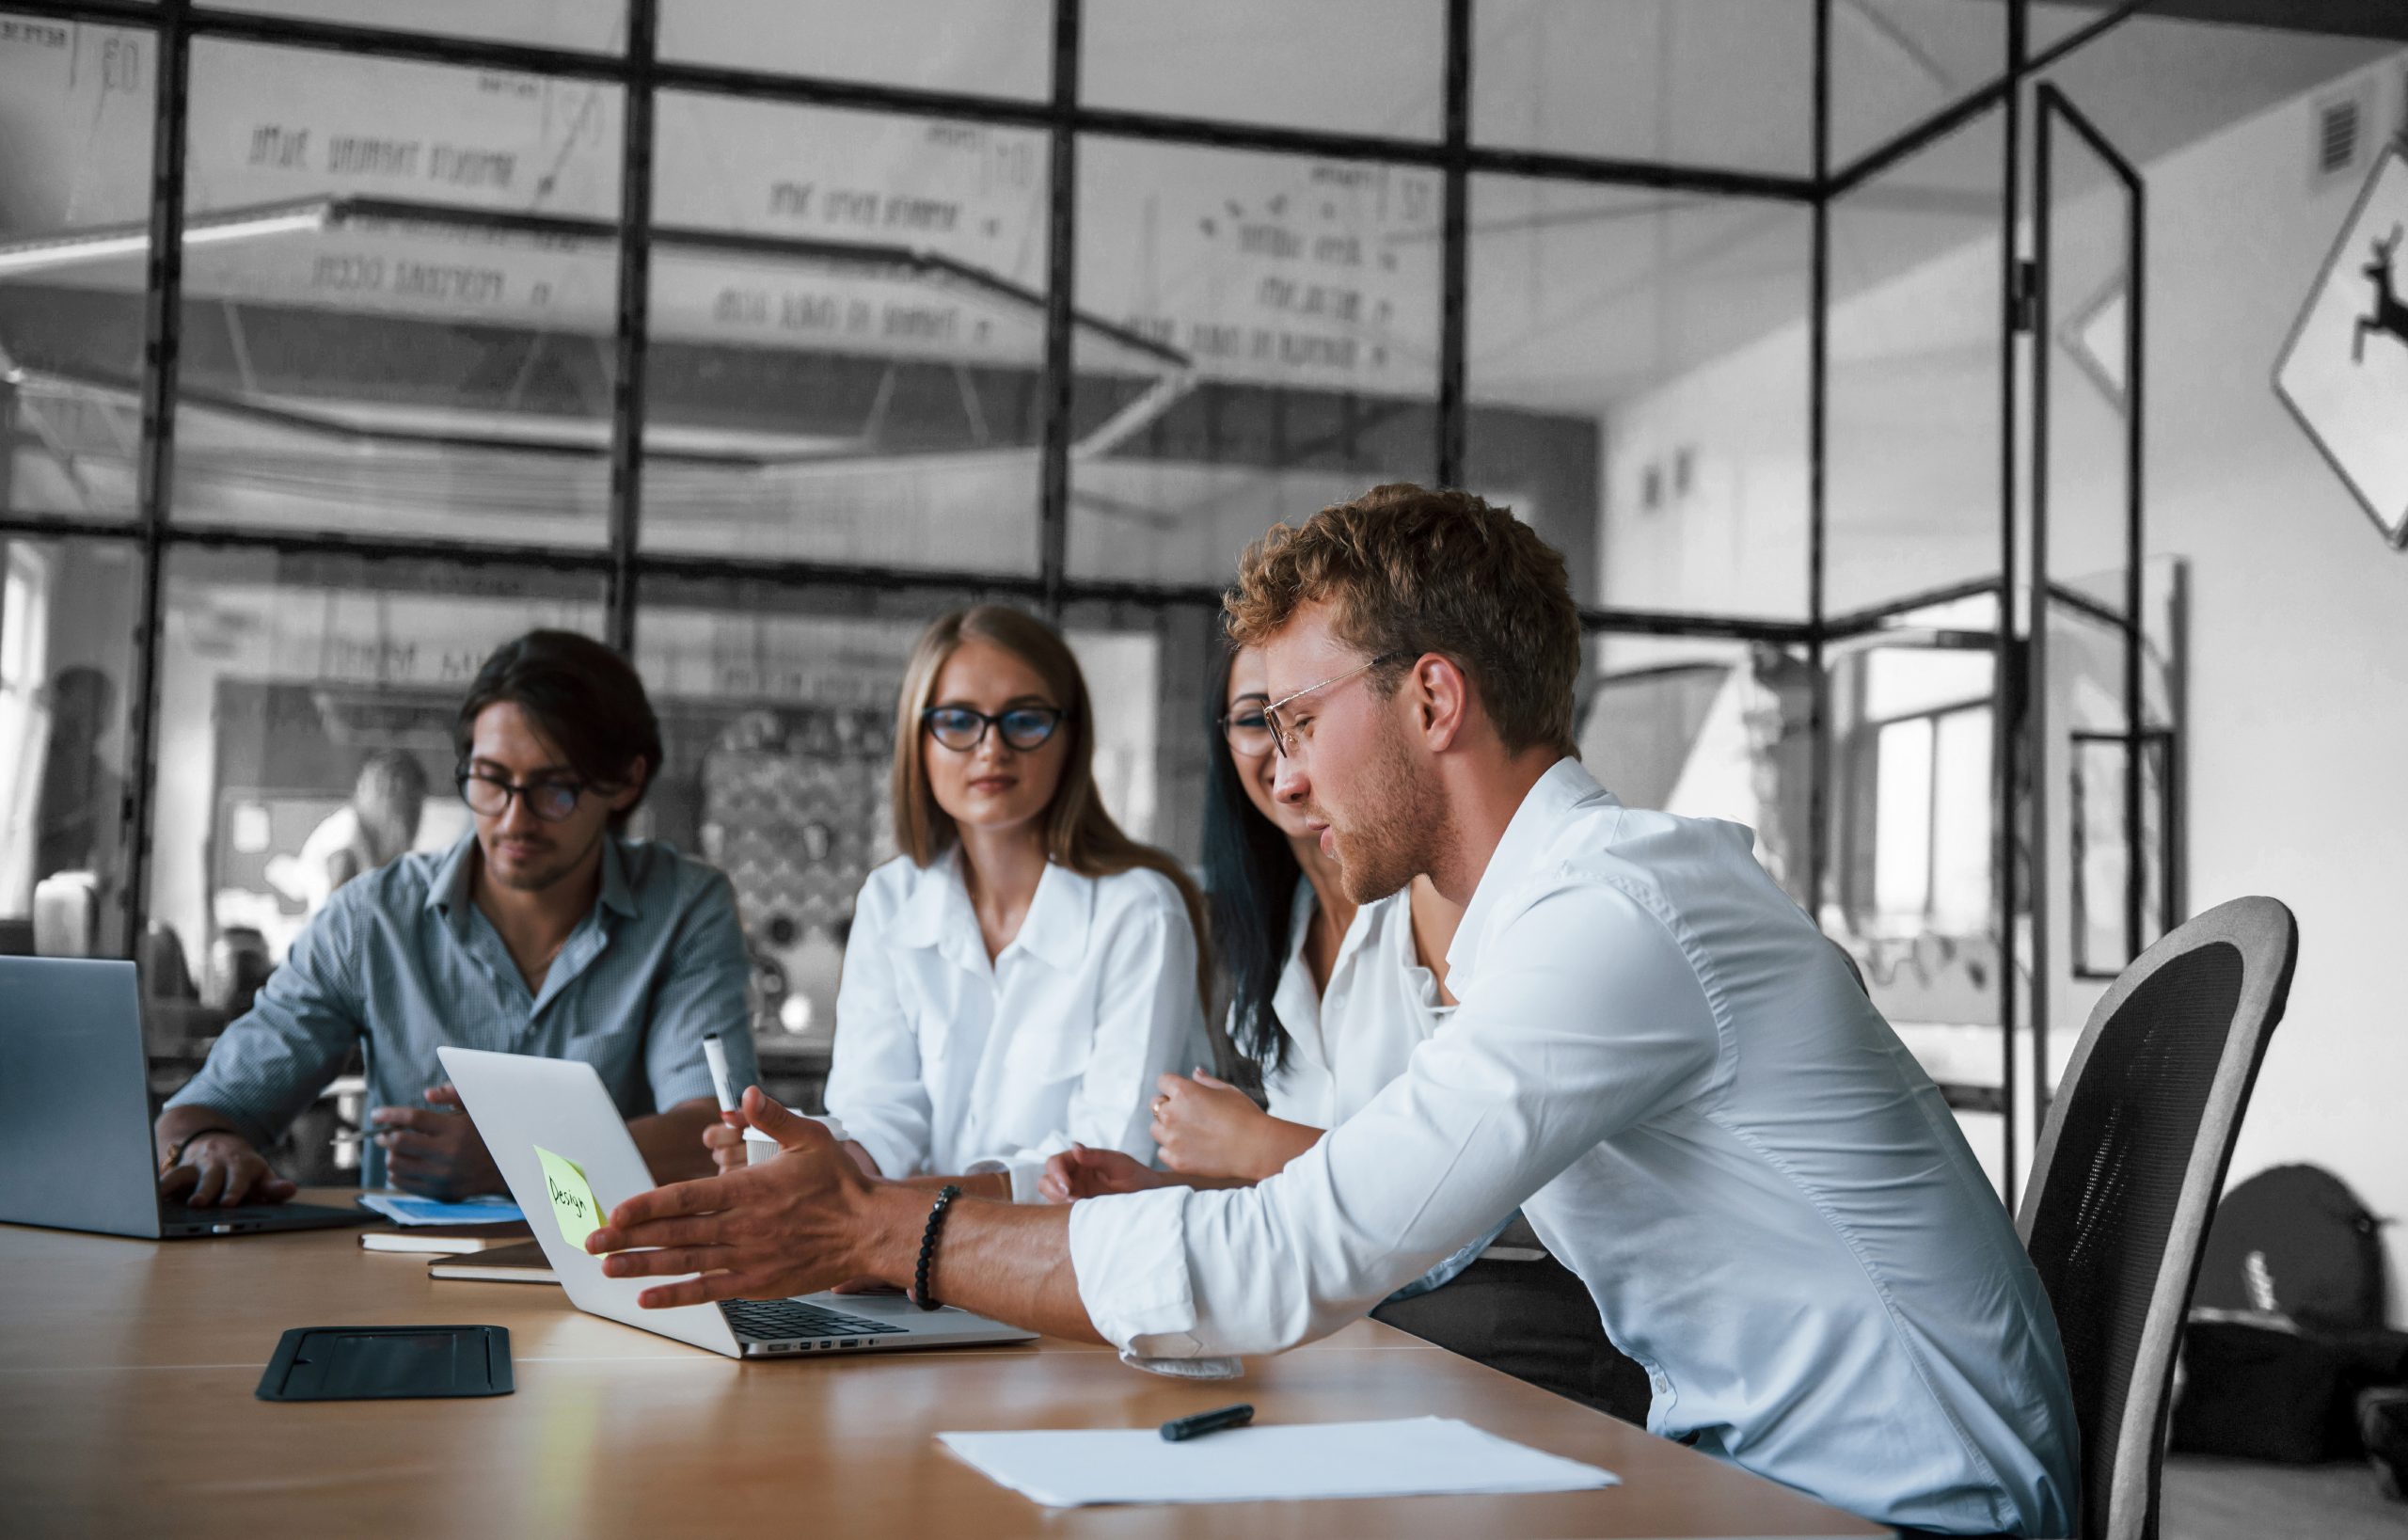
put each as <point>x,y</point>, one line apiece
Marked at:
<point>1410,1456</point>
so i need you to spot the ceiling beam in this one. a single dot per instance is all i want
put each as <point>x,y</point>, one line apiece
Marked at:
<point>2387,18</point>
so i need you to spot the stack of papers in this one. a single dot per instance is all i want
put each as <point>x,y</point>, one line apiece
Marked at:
<point>404,1210</point>
<point>1410,1456</point>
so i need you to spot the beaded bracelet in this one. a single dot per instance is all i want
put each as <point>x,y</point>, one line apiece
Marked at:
<point>920,1295</point>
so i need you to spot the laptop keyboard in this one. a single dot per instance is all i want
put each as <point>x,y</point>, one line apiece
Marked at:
<point>787,1320</point>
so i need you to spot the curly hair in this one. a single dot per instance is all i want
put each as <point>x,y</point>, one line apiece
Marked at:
<point>1413,571</point>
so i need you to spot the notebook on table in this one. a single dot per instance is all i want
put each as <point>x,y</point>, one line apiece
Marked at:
<point>450,1240</point>
<point>524,1263</point>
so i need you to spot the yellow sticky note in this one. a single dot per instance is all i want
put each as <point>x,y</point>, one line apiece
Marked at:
<point>573,1202</point>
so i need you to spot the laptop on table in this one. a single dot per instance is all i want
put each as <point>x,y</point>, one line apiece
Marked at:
<point>75,1148</point>
<point>523,1103</point>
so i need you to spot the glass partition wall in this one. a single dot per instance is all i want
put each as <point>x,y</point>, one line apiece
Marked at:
<point>336,347</point>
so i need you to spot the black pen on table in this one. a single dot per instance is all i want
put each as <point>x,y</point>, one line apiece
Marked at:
<point>1179,1429</point>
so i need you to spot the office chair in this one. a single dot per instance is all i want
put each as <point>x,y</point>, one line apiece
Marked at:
<point>2126,1175</point>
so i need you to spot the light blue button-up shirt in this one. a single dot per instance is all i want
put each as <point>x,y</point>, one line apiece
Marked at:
<point>1664,1063</point>
<point>403,957</point>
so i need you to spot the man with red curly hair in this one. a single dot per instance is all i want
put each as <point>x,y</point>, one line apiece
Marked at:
<point>1657,1057</point>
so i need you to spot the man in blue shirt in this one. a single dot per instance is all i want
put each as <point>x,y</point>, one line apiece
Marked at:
<point>544,931</point>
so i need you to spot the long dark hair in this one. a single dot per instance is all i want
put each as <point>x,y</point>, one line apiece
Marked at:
<point>1250,875</point>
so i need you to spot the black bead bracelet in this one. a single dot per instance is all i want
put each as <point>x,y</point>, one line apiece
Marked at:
<point>920,1295</point>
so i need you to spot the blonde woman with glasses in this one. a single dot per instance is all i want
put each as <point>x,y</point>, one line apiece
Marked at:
<point>1018,977</point>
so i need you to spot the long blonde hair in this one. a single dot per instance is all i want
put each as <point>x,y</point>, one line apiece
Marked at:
<point>1079,833</point>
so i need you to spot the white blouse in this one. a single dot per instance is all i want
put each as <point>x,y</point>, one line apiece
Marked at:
<point>946,1062</point>
<point>1347,1042</point>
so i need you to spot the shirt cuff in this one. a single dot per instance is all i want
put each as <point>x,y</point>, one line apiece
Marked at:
<point>892,1156</point>
<point>1025,1173</point>
<point>1129,1254</point>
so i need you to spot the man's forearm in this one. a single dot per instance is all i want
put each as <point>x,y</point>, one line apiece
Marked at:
<point>672,1141</point>
<point>1009,1261</point>
<point>1281,1141</point>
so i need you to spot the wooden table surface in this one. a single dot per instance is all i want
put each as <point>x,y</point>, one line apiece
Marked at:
<point>127,1370</point>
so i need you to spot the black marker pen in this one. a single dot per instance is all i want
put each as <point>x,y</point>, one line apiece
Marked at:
<point>1181,1428</point>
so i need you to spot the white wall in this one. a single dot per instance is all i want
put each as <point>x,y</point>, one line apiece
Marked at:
<point>2299,692</point>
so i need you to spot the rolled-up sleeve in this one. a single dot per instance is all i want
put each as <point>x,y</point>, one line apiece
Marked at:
<point>706,989</point>
<point>1587,1017</point>
<point>873,1085</point>
<point>277,1056</point>
<point>1149,1022</point>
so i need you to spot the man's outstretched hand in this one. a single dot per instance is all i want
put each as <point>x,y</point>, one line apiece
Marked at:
<point>792,1226</point>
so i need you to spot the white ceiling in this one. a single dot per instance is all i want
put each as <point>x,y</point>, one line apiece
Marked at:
<point>1586,296</point>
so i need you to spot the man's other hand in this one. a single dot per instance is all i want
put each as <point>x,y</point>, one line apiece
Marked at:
<point>435,1154</point>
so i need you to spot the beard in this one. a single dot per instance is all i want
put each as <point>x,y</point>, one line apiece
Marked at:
<point>544,870</point>
<point>1406,820</point>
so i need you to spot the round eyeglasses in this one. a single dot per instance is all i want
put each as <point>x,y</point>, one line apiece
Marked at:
<point>488,795</point>
<point>1248,733</point>
<point>960,728</point>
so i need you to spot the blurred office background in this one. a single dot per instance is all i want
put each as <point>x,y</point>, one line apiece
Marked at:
<point>1897,376</point>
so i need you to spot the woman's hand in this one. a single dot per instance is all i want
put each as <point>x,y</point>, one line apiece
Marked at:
<point>724,1139</point>
<point>1208,1127</point>
<point>1081,1172</point>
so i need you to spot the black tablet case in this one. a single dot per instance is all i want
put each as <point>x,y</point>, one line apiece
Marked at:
<point>377,1363</point>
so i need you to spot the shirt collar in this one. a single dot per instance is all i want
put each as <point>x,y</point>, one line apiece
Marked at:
<point>447,891</point>
<point>1551,799</point>
<point>1055,927</point>
<point>618,894</point>
<point>938,915</point>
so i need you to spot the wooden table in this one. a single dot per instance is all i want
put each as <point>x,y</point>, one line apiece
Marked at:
<point>126,1407</point>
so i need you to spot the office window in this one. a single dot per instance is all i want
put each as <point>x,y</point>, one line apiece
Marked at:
<point>1638,377</point>
<point>1898,63</point>
<point>982,47</point>
<point>1709,83</point>
<point>398,298</point>
<point>1259,340</point>
<point>282,678</point>
<point>75,126</point>
<point>1912,395</point>
<point>776,708</point>
<point>847,327</point>
<point>1351,66</point>
<point>68,616</point>
<point>593,25</point>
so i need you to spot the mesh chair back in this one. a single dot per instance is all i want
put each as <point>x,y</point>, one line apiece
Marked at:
<point>2126,1178</point>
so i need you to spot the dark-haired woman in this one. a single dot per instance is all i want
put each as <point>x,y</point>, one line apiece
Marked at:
<point>1022,974</point>
<point>1328,1002</point>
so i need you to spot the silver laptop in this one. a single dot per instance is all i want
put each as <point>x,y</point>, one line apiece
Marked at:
<point>522,1103</point>
<point>75,1148</point>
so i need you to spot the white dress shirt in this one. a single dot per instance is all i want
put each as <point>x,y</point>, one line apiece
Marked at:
<point>1660,1060</point>
<point>946,1062</point>
<point>1346,1043</point>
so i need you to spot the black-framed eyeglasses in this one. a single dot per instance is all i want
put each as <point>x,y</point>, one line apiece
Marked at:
<point>1248,733</point>
<point>960,728</point>
<point>1283,723</point>
<point>488,795</point>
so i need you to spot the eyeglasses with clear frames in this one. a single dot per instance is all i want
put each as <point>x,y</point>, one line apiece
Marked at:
<point>1248,735</point>
<point>1276,715</point>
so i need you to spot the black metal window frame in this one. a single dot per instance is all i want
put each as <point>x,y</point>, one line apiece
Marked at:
<point>623,566</point>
